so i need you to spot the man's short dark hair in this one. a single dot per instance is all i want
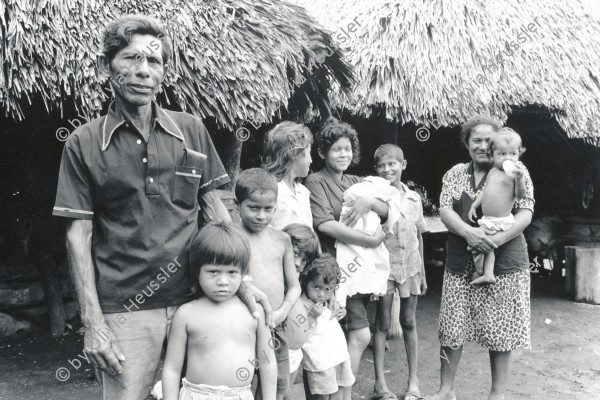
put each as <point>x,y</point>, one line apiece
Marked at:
<point>254,180</point>
<point>117,34</point>
<point>467,127</point>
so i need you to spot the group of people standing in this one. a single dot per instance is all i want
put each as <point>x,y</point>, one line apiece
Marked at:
<point>133,182</point>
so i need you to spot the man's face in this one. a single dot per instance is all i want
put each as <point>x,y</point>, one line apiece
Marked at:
<point>137,70</point>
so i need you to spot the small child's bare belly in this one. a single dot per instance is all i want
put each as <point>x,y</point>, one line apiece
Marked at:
<point>225,363</point>
<point>498,199</point>
<point>221,347</point>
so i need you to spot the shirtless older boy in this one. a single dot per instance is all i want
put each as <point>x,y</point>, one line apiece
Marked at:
<point>272,265</point>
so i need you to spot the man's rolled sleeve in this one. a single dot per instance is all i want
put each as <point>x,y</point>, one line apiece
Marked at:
<point>73,194</point>
<point>319,203</point>
<point>213,173</point>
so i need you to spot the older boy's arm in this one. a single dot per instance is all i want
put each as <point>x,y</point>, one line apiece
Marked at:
<point>421,252</point>
<point>291,283</point>
<point>171,375</point>
<point>213,208</point>
<point>268,365</point>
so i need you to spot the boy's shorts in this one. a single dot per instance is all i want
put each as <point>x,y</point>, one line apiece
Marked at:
<point>330,380</point>
<point>410,287</point>
<point>356,313</point>
<point>193,391</point>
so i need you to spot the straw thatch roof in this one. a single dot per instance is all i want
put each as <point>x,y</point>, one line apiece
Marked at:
<point>233,60</point>
<point>421,60</point>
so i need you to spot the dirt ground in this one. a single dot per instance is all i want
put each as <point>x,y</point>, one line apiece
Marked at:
<point>564,361</point>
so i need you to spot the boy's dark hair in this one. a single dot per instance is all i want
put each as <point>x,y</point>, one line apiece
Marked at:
<point>324,266</point>
<point>505,134</point>
<point>219,244</point>
<point>390,150</point>
<point>331,131</point>
<point>305,240</point>
<point>467,127</point>
<point>117,34</point>
<point>254,180</point>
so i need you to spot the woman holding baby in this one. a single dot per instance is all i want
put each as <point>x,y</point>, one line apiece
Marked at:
<point>497,316</point>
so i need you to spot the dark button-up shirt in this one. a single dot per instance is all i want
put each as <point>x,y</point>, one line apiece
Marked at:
<point>458,193</point>
<point>142,195</point>
<point>326,201</point>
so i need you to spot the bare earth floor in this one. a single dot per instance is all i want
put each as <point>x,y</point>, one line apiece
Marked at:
<point>563,364</point>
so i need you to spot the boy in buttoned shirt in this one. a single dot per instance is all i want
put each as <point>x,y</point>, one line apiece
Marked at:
<point>407,271</point>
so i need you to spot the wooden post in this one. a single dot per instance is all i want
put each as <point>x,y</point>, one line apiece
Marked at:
<point>583,273</point>
<point>53,294</point>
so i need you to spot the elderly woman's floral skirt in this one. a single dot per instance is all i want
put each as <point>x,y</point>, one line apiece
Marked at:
<point>497,316</point>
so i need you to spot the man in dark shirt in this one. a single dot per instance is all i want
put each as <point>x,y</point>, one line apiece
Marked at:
<point>130,182</point>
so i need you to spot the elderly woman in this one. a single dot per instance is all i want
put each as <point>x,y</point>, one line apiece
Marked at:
<point>495,316</point>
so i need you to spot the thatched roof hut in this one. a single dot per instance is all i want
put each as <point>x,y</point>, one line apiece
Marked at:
<point>233,61</point>
<point>422,61</point>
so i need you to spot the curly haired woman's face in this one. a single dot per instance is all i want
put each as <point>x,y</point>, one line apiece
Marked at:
<point>339,156</point>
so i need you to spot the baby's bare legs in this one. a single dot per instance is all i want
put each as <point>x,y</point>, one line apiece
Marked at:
<point>488,268</point>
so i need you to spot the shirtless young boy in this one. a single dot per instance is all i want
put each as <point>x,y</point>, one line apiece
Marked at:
<point>503,186</point>
<point>271,257</point>
<point>218,334</point>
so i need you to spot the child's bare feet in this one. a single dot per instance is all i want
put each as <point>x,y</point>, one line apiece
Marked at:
<point>442,396</point>
<point>484,280</point>
<point>413,392</point>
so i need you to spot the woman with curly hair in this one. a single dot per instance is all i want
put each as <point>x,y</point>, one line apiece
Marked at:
<point>337,145</point>
<point>287,156</point>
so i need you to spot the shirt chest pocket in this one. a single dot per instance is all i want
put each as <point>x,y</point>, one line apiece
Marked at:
<point>185,188</point>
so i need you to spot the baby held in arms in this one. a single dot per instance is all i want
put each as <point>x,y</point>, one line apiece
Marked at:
<point>504,185</point>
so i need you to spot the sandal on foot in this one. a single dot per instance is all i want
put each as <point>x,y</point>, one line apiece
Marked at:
<point>384,396</point>
<point>413,396</point>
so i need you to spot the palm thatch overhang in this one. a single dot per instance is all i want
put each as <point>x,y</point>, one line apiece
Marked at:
<point>436,62</point>
<point>232,60</point>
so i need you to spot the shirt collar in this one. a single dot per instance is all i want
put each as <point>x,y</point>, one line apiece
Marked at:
<point>114,119</point>
<point>409,194</point>
<point>285,190</point>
